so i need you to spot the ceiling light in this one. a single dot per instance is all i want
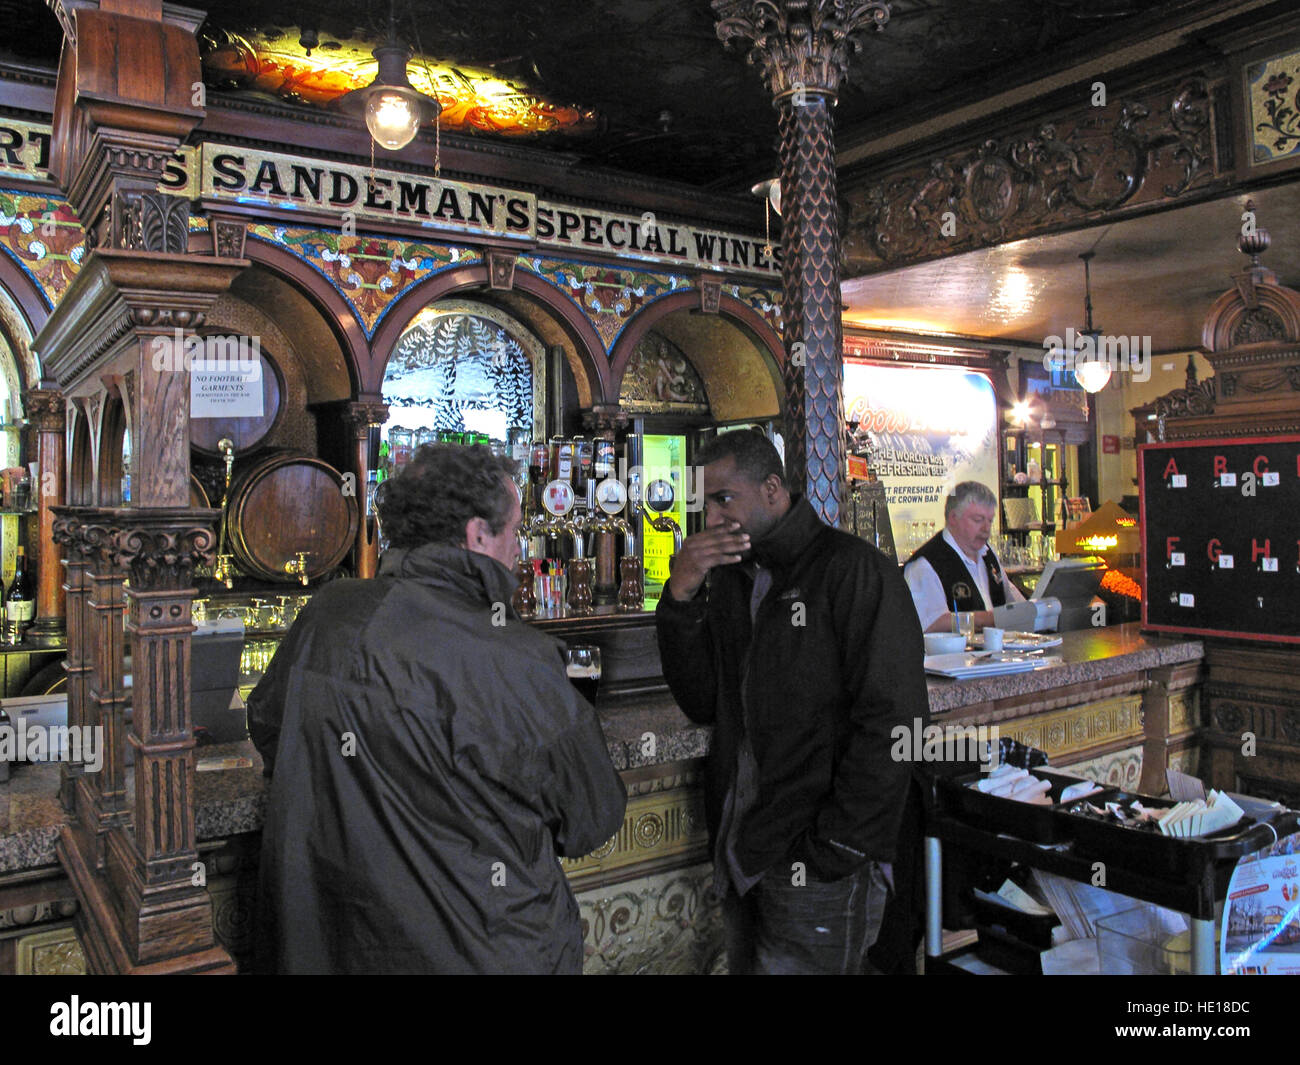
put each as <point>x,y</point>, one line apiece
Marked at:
<point>1092,371</point>
<point>392,108</point>
<point>771,190</point>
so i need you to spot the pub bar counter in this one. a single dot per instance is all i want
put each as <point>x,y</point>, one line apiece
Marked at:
<point>1120,707</point>
<point>568,278</point>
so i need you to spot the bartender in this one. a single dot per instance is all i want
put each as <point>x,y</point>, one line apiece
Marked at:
<point>956,569</point>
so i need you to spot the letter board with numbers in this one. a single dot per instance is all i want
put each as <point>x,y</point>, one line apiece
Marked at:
<point>1221,537</point>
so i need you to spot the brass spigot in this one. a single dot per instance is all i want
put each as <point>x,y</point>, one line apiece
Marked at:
<point>298,566</point>
<point>224,571</point>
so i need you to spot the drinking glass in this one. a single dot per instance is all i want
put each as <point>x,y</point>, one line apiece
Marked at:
<point>582,664</point>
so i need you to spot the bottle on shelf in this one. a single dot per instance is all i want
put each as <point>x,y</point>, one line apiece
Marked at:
<point>20,602</point>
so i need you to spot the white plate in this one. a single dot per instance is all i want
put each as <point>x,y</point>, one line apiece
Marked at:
<point>985,664</point>
<point>1022,641</point>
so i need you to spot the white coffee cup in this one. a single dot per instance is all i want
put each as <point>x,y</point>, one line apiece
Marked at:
<point>993,639</point>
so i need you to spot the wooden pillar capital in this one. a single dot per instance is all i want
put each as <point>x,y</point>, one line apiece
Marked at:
<point>359,415</point>
<point>801,46</point>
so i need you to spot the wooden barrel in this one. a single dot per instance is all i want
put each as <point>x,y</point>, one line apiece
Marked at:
<point>286,502</point>
<point>245,433</point>
<point>198,495</point>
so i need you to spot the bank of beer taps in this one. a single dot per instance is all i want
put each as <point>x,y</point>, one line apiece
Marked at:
<point>573,514</point>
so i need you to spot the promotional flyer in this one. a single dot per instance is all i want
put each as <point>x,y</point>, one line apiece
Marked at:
<point>926,429</point>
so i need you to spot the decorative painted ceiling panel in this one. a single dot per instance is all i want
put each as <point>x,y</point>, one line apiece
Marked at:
<point>474,101</point>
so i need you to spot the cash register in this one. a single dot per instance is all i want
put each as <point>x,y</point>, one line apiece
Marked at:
<point>1062,600</point>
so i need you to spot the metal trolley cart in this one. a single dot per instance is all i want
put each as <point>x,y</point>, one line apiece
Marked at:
<point>1189,875</point>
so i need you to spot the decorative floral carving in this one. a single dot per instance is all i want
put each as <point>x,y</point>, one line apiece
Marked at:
<point>800,44</point>
<point>228,236</point>
<point>164,222</point>
<point>162,556</point>
<point>1257,325</point>
<point>663,923</point>
<point>1187,402</point>
<point>1060,171</point>
<point>1228,717</point>
<point>45,409</point>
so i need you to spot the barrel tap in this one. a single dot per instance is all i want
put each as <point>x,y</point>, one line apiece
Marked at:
<point>659,498</point>
<point>224,571</point>
<point>298,567</point>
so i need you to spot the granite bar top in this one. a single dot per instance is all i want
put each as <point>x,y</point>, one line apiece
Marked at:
<point>1085,656</point>
<point>640,731</point>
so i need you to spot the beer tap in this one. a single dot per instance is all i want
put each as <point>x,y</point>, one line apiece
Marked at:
<point>224,571</point>
<point>298,566</point>
<point>659,496</point>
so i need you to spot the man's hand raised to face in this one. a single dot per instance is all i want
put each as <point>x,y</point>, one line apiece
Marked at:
<point>717,546</point>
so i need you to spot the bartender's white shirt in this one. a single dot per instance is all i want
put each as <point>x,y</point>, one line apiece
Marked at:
<point>928,593</point>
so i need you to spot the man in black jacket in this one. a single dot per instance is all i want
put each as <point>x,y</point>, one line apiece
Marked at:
<point>800,645</point>
<point>431,758</point>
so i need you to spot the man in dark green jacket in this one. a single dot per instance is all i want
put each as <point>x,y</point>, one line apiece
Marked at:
<point>431,759</point>
<point>800,645</point>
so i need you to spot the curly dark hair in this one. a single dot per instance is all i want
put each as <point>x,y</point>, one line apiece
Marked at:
<point>442,488</point>
<point>756,456</point>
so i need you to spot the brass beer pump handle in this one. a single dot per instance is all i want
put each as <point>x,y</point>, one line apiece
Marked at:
<point>227,448</point>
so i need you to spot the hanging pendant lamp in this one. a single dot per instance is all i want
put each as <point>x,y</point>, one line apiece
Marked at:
<point>392,108</point>
<point>1091,369</point>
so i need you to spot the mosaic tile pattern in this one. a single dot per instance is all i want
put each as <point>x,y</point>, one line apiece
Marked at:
<point>371,273</point>
<point>43,236</point>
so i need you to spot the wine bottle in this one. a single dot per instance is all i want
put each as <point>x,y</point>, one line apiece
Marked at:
<point>20,602</point>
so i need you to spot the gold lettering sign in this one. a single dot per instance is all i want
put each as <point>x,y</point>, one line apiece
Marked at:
<point>342,194</point>
<point>24,150</point>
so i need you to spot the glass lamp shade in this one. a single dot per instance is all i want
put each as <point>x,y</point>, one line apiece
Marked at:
<point>1092,374</point>
<point>392,119</point>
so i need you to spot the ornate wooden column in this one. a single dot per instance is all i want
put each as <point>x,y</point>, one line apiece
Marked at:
<point>163,912</point>
<point>45,412</point>
<point>125,317</point>
<point>802,48</point>
<point>359,416</point>
<point>95,798</point>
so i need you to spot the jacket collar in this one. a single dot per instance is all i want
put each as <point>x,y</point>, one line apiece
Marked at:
<point>790,537</point>
<point>457,569</point>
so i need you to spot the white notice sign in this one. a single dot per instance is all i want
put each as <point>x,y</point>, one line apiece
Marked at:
<point>221,388</point>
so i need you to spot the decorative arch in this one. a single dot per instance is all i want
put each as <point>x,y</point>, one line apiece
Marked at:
<point>113,427</point>
<point>1273,317</point>
<point>324,297</point>
<point>766,342</point>
<point>81,456</point>
<point>584,350</point>
<point>23,311</point>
